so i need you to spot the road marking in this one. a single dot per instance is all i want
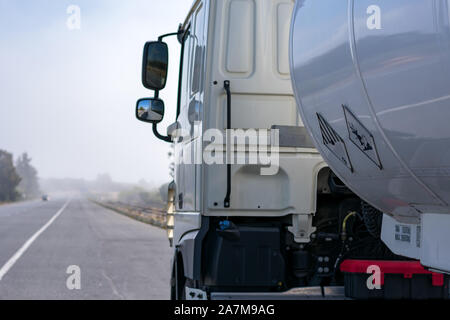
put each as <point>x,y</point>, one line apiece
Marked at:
<point>8,265</point>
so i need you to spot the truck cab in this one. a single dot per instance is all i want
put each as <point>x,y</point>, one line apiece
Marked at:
<point>253,205</point>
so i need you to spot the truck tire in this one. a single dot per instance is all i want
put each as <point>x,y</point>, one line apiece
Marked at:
<point>173,285</point>
<point>178,280</point>
<point>182,284</point>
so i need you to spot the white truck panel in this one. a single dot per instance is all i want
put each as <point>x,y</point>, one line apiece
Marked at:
<point>249,46</point>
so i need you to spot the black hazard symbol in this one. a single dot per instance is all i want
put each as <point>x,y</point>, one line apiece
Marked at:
<point>361,137</point>
<point>333,141</point>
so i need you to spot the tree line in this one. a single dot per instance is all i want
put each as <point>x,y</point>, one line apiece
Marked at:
<point>18,180</point>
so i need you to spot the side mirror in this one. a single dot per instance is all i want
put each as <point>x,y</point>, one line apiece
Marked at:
<point>155,65</point>
<point>150,110</point>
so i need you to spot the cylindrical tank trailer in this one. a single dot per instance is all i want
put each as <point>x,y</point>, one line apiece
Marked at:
<point>373,86</point>
<point>372,83</point>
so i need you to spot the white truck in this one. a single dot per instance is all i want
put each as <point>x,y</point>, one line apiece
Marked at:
<point>255,206</point>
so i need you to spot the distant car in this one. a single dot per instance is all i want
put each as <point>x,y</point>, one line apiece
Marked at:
<point>45,197</point>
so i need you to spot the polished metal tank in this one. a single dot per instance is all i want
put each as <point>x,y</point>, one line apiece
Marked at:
<point>372,83</point>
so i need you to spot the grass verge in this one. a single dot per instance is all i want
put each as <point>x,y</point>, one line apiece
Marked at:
<point>145,218</point>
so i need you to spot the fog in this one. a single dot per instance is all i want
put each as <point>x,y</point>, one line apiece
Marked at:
<point>67,97</point>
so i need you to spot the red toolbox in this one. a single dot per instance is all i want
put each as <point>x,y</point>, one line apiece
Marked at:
<point>392,280</point>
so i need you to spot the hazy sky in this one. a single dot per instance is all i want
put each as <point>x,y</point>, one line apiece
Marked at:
<point>67,97</point>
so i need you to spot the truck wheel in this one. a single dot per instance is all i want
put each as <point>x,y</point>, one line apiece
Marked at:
<point>186,283</point>
<point>182,284</point>
<point>179,282</point>
<point>173,284</point>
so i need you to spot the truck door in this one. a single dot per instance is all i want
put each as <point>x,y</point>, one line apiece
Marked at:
<point>188,147</point>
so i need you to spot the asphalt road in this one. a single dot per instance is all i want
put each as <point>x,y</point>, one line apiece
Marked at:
<point>118,258</point>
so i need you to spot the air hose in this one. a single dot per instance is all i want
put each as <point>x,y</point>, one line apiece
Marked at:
<point>344,225</point>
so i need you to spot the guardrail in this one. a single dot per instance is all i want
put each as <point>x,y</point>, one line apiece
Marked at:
<point>154,216</point>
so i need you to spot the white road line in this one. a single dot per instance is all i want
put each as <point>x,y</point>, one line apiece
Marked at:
<point>8,265</point>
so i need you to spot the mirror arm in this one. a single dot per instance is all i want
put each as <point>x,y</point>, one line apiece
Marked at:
<point>159,136</point>
<point>160,38</point>
<point>155,127</point>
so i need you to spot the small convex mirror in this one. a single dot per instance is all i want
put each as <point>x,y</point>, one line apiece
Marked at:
<point>155,65</point>
<point>150,110</point>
